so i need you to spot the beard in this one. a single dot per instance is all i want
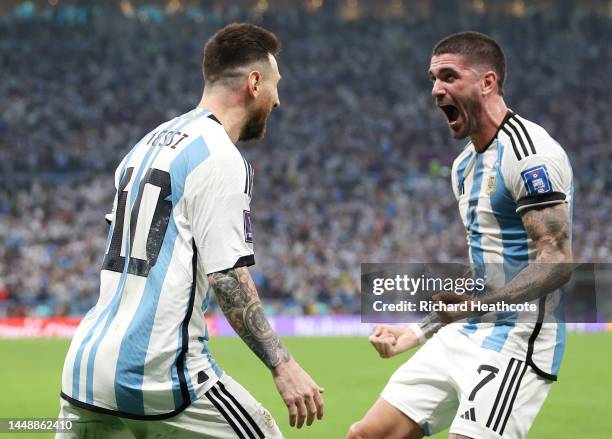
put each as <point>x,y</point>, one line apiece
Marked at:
<point>255,127</point>
<point>472,110</point>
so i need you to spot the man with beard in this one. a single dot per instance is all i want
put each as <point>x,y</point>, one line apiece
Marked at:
<point>487,377</point>
<point>181,227</point>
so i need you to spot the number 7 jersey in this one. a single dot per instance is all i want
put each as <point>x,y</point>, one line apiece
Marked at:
<point>180,213</point>
<point>522,168</point>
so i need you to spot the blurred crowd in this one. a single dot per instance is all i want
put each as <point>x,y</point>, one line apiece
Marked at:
<point>354,168</point>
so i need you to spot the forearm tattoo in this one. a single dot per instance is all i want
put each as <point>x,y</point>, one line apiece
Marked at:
<point>549,229</point>
<point>237,296</point>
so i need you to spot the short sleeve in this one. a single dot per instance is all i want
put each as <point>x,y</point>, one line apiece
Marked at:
<point>539,179</point>
<point>218,209</point>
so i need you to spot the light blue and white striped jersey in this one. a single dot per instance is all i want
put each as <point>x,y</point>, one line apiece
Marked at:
<point>522,167</point>
<point>181,212</point>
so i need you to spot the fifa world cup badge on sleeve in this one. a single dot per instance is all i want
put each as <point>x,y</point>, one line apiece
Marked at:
<point>248,228</point>
<point>536,180</point>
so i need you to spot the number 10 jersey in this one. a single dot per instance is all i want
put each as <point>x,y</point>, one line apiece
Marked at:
<point>181,212</point>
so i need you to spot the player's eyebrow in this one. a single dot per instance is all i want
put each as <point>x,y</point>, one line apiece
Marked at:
<point>443,71</point>
<point>448,70</point>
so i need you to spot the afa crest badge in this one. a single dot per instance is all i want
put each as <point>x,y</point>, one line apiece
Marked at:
<point>491,184</point>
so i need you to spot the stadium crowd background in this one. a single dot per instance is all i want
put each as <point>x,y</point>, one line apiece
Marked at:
<point>355,165</point>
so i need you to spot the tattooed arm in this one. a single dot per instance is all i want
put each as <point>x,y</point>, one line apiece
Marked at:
<point>549,229</point>
<point>239,301</point>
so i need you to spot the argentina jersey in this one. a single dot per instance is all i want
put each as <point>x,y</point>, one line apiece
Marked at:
<point>181,212</point>
<point>522,167</point>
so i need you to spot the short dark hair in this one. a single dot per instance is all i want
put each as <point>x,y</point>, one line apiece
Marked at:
<point>478,49</point>
<point>236,45</point>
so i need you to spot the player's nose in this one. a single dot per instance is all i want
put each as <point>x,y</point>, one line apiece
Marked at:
<point>437,90</point>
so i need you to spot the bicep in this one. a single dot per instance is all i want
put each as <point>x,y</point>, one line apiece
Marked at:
<point>549,229</point>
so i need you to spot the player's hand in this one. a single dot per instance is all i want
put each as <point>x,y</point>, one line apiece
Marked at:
<point>392,340</point>
<point>301,394</point>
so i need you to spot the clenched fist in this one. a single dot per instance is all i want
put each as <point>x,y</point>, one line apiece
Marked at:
<point>391,340</point>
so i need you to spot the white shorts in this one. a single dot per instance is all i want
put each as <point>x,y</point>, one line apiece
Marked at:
<point>226,411</point>
<point>478,392</point>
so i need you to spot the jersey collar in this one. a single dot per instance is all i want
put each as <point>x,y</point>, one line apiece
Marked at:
<point>213,117</point>
<point>508,115</point>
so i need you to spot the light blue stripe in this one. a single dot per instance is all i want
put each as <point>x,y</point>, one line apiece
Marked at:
<point>113,306</point>
<point>475,241</point>
<point>515,251</point>
<point>460,172</point>
<point>76,368</point>
<point>461,177</point>
<point>134,346</point>
<point>192,159</point>
<point>560,310</point>
<point>206,337</point>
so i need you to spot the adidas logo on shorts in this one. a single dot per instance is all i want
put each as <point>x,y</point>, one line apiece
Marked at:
<point>469,415</point>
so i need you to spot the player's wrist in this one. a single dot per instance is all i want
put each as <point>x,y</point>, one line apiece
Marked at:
<point>427,327</point>
<point>418,333</point>
<point>283,366</point>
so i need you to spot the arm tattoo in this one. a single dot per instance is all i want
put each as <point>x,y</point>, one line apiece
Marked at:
<point>240,303</point>
<point>549,229</point>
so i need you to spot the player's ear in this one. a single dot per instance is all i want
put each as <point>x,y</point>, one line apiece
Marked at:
<point>489,82</point>
<point>254,83</point>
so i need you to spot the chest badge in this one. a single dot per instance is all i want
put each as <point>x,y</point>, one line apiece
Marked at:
<point>491,184</point>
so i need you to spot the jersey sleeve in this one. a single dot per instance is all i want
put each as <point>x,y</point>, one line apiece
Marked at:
<point>540,179</point>
<point>218,207</point>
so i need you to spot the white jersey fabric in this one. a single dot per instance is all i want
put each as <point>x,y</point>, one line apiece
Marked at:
<point>181,212</point>
<point>522,167</point>
<point>478,393</point>
<point>226,411</point>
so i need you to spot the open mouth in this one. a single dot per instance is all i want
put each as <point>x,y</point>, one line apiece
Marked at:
<point>451,112</point>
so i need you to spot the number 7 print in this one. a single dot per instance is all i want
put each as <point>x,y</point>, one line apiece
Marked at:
<point>490,376</point>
